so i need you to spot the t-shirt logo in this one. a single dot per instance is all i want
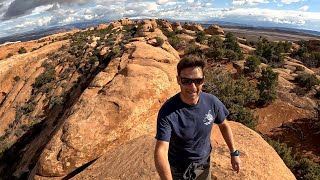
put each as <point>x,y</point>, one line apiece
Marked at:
<point>208,118</point>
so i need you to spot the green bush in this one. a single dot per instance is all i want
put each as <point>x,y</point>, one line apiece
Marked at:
<point>159,42</point>
<point>308,170</point>
<point>215,53</point>
<point>174,42</point>
<point>9,55</point>
<point>234,93</point>
<point>231,55</point>
<point>16,78</point>
<point>267,84</point>
<point>284,152</point>
<point>252,64</point>
<point>193,49</point>
<point>300,68</point>
<point>22,50</point>
<point>215,42</point>
<point>307,80</point>
<point>200,36</point>
<point>244,116</point>
<point>46,77</point>
<point>28,107</point>
<point>231,43</point>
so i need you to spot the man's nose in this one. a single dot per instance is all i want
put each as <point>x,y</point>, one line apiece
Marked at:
<point>193,85</point>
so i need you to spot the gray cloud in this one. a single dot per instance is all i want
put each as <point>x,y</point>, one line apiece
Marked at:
<point>22,7</point>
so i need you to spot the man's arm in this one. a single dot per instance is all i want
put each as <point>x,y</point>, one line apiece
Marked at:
<point>161,160</point>
<point>228,137</point>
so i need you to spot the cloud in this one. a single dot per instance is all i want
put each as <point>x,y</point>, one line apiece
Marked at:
<point>290,1</point>
<point>304,8</point>
<point>19,8</point>
<point>248,2</point>
<point>162,2</point>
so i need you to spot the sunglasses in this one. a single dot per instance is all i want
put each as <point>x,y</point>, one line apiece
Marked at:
<point>187,81</point>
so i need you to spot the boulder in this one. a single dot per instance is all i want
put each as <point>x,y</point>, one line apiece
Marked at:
<point>137,156</point>
<point>214,30</point>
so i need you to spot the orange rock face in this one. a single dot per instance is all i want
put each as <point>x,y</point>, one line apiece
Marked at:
<point>137,156</point>
<point>214,30</point>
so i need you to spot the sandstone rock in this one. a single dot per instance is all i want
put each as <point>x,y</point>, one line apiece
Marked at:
<point>104,51</point>
<point>247,49</point>
<point>165,25</point>
<point>214,30</point>
<point>104,116</point>
<point>102,26</point>
<point>137,156</point>
<point>193,27</point>
<point>154,23</point>
<point>176,26</point>
<point>126,21</point>
<point>116,24</point>
<point>144,26</point>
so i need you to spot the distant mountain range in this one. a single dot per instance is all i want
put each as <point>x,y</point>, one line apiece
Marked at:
<point>36,34</point>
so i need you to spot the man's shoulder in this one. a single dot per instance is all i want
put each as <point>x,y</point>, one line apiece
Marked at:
<point>210,97</point>
<point>170,104</point>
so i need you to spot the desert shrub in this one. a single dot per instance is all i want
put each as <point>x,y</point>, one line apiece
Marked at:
<point>159,41</point>
<point>215,53</point>
<point>63,47</point>
<point>193,49</point>
<point>53,56</point>
<point>192,41</point>
<point>244,115</point>
<point>116,51</point>
<point>231,55</point>
<point>231,43</point>
<point>215,42</point>
<point>317,94</point>
<point>308,170</point>
<point>56,101</point>
<point>200,36</point>
<point>267,84</point>
<point>174,42</point>
<point>93,59</point>
<point>22,50</point>
<point>28,107</point>
<point>252,64</point>
<point>9,55</point>
<point>284,152</point>
<point>234,93</point>
<point>168,33</point>
<point>307,80</point>
<point>19,132</point>
<point>272,52</point>
<point>46,77</point>
<point>16,78</point>
<point>300,68</point>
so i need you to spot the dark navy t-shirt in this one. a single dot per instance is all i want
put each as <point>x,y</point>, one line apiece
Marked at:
<point>188,128</point>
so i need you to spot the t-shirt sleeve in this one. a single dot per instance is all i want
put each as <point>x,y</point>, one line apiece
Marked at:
<point>221,112</point>
<point>163,128</point>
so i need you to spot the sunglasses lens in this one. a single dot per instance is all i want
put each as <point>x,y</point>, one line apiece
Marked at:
<point>186,81</point>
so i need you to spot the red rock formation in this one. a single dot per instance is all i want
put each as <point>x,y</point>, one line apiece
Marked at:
<point>214,30</point>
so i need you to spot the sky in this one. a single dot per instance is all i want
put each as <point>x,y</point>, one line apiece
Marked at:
<point>18,16</point>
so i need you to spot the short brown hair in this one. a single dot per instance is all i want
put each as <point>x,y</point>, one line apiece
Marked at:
<point>191,61</point>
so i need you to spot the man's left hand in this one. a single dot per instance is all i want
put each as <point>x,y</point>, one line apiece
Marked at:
<point>235,162</point>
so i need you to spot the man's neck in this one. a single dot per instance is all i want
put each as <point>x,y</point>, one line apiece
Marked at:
<point>191,103</point>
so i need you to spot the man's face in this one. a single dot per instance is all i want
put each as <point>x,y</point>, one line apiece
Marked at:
<point>191,81</point>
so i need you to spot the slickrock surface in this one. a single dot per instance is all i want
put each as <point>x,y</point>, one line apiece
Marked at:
<point>134,159</point>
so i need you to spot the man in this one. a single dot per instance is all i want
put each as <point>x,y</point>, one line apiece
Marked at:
<point>184,127</point>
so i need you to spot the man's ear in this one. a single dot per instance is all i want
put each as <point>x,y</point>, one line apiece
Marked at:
<point>178,79</point>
